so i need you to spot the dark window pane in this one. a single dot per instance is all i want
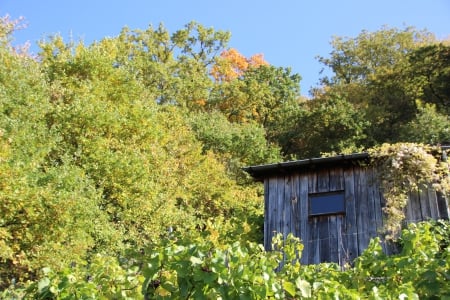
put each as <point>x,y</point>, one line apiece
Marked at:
<point>326,203</point>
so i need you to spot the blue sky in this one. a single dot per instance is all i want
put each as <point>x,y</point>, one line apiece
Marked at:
<point>290,33</point>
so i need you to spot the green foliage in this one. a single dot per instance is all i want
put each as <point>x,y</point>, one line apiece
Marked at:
<point>383,74</point>
<point>47,209</point>
<point>324,125</point>
<point>103,278</point>
<point>237,144</point>
<point>363,58</point>
<point>428,127</point>
<point>197,269</point>
<point>259,95</point>
<point>430,73</point>
<point>92,164</point>
<point>105,149</point>
<point>419,271</point>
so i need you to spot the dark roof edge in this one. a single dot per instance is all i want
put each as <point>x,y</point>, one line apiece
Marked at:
<point>284,167</point>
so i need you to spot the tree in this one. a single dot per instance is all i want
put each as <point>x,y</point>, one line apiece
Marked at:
<point>429,127</point>
<point>430,74</point>
<point>93,162</point>
<point>47,209</point>
<point>173,66</point>
<point>142,156</point>
<point>259,94</point>
<point>231,65</point>
<point>324,125</point>
<point>236,144</point>
<point>371,72</point>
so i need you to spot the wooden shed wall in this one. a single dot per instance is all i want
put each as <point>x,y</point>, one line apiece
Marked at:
<point>336,238</point>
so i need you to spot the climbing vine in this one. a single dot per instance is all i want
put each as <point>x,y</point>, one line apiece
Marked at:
<point>403,168</point>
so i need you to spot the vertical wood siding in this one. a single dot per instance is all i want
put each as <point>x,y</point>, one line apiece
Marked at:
<point>337,238</point>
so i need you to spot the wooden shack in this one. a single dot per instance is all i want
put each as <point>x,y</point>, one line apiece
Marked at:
<point>333,204</point>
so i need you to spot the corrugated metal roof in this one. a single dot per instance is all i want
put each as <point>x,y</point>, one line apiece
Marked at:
<point>260,172</point>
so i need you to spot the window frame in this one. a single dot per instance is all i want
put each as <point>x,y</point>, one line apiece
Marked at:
<point>340,211</point>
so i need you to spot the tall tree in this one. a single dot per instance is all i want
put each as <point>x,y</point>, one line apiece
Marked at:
<point>428,127</point>
<point>92,161</point>
<point>249,89</point>
<point>371,71</point>
<point>429,74</point>
<point>46,208</point>
<point>324,125</point>
<point>231,65</point>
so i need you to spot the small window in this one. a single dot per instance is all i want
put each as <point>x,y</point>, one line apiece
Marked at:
<point>326,203</point>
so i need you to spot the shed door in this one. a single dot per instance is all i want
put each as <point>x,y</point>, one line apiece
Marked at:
<point>326,218</point>
<point>325,240</point>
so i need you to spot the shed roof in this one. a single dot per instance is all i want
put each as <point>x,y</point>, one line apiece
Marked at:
<point>259,172</point>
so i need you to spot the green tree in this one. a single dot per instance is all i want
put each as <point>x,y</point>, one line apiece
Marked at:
<point>429,127</point>
<point>259,94</point>
<point>86,135</point>
<point>371,71</point>
<point>46,208</point>
<point>236,144</point>
<point>174,67</point>
<point>430,74</point>
<point>324,125</point>
<point>143,157</point>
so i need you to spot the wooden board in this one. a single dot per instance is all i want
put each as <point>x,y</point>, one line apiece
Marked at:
<point>350,236</point>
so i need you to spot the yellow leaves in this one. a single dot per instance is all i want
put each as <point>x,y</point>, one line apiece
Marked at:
<point>5,249</point>
<point>200,102</point>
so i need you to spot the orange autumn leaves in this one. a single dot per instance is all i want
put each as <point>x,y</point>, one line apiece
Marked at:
<point>231,65</point>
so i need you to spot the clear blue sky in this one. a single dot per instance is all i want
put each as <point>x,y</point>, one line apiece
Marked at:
<point>290,33</point>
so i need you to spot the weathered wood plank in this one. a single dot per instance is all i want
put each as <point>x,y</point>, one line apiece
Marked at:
<point>443,207</point>
<point>304,214</point>
<point>409,209</point>
<point>295,206</point>
<point>333,229</point>
<point>378,200</point>
<point>378,204</point>
<point>287,207</point>
<point>416,210</point>
<point>424,204</point>
<point>273,212</point>
<point>323,181</point>
<point>362,217</point>
<point>372,207</point>
<point>280,204</point>
<point>341,246</point>
<point>313,234</point>
<point>267,212</point>
<point>314,242</point>
<point>312,182</point>
<point>350,233</point>
<point>324,239</point>
<point>336,179</point>
<point>432,198</point>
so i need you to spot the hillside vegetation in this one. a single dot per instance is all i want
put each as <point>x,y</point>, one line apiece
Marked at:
<point>121,163</point>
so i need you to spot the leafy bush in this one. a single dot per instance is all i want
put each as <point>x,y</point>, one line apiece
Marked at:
<point>200,269</point>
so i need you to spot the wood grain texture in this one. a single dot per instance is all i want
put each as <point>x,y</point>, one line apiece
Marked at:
<point>338,238</point>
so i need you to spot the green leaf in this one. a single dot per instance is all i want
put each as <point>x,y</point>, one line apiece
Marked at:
<point>289,287</point>
<point>43,283</point>
<point>195,260</point>
<point>303,286</point>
